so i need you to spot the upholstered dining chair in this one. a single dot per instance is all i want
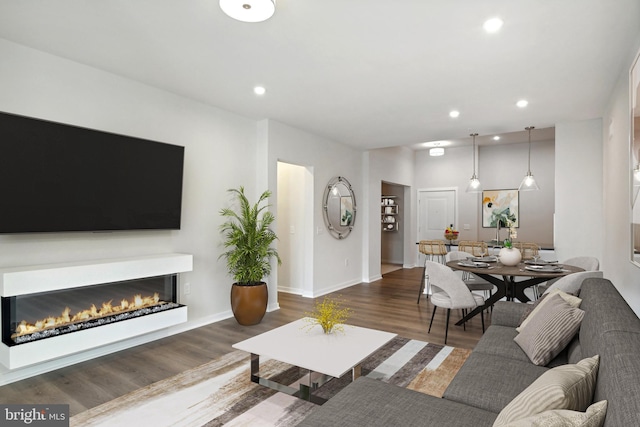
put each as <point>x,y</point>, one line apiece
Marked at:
<point>431,249</point>
<point>474,283</point>
<point>587,263</point>
<point>450,292</point>
<point>571,283</point>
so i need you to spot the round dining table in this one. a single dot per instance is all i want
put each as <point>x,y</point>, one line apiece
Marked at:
<point>504,278</point>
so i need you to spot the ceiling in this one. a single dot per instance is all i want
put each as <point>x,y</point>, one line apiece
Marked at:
<point>367,73</point>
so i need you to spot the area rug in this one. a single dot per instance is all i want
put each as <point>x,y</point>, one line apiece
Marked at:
<point>221,393</point>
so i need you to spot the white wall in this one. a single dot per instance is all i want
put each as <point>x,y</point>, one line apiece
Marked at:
<point>616,236</point>
<point>579,217</point>
<point>220,152</point>
<point>394,165</point>
<point>326,159</point>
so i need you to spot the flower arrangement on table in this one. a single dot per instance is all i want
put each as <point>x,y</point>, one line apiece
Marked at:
<point>513,234</point>
<point>329,314</point>
<point>450,233</point>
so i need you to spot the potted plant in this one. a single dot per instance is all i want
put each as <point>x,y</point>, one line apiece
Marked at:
<point>248,252</point>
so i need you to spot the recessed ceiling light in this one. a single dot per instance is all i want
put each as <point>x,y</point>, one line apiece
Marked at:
<point>259,90</point>
<point>496,138</point>
<point>492,25</point>
<point>522,103</point>
<point>454,114</point>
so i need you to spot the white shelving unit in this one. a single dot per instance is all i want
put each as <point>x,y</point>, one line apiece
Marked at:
<point>389,213</point>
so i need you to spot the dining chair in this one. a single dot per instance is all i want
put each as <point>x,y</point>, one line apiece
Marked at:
<point>473,247</point>
<point>431,249</point>
<point>474,283</point>
<point>587,263</point>
<point>571,283</point>
<point>527,250</point>
<point>450,292</point>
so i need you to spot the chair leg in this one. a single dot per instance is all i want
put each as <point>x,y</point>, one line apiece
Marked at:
<point>464,325</point>
<point>422,285</point>
<point>432,316</point>
<point>446,330</point>
<point>482,317</point>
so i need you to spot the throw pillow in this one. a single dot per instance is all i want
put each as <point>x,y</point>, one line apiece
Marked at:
<point>573,300</point>
<point>550,330</point>
<point>594,417</point>
<point>564,387</point>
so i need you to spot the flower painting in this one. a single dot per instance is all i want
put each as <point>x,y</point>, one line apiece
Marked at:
<point>500,207</point>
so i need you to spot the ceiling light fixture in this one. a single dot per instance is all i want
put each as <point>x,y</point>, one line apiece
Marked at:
<point>496,138</point>
<point>529,183</point>
<point>249,10</point>
<point>492,25</point>
<point>522,103</point>
<point>454,114</point>
<point>436,151</point>
<point>259,90</point>
<point>474,183</point>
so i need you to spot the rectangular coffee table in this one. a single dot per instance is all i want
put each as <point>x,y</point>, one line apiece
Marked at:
<point>322,356</point>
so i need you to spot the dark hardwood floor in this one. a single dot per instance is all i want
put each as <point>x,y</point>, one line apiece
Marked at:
<point>388,304</point>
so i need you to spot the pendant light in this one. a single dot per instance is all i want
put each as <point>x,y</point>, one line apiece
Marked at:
<point>249,10</point>
<point>528,182</point>
<point>474,183</point>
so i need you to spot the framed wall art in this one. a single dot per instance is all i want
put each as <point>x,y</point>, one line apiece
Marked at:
<point>500,206</point>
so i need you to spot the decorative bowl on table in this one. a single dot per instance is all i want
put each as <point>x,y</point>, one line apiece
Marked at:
<point>451,235</point>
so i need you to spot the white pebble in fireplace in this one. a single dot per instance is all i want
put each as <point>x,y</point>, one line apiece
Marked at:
<point>28,283</point>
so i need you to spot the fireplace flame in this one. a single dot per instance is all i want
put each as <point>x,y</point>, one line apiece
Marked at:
<point>138,302</point>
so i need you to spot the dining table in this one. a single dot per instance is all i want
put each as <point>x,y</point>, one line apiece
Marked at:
<point>504,278</point>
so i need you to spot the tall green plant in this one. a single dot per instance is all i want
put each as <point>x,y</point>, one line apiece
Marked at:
<point>248,239</point>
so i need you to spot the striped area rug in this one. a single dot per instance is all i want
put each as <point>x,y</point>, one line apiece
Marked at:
<point>220,392</point>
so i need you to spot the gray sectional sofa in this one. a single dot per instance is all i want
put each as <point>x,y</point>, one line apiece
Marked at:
<point>498,370</point>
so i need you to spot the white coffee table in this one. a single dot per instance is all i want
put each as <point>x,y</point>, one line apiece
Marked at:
<point>322,355</point>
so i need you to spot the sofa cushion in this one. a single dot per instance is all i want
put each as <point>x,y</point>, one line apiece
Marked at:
<point>369,402</point>
<point>594,417</point>
<point>490,382</point>
<point>499,341</point>
<point>564,387</point>
<point>549,330</point>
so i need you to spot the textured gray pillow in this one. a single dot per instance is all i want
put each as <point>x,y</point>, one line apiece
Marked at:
<point>549,329</point>
<point>564,387</point>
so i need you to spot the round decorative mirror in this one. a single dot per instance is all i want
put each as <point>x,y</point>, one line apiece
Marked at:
<point>339,207</point>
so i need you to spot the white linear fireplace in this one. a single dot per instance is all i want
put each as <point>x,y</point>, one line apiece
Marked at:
<point>123,298</point>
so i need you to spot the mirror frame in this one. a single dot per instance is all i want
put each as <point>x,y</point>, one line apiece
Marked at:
<point>336,229</point>
<point>634,155</point>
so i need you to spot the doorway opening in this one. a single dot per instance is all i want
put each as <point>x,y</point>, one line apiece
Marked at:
<point>392,214</point>
<point>294,219</point>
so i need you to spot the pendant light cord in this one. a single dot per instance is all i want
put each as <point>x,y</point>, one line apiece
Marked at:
<point>529,128</point>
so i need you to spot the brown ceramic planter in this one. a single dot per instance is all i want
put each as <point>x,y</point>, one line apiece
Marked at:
<point>249,303</point>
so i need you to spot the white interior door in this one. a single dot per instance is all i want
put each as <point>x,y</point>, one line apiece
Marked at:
<point>436,211</point>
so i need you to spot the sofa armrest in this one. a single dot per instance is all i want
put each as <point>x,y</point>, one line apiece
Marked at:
<point>506,313</point>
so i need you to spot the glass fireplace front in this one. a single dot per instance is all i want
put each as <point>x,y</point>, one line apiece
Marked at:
<point>31,317</point>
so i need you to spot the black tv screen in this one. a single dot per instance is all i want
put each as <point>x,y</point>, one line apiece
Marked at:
<point>56,177</point>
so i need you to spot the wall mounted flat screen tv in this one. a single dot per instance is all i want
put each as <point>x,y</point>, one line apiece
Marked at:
<point>56,178</point>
